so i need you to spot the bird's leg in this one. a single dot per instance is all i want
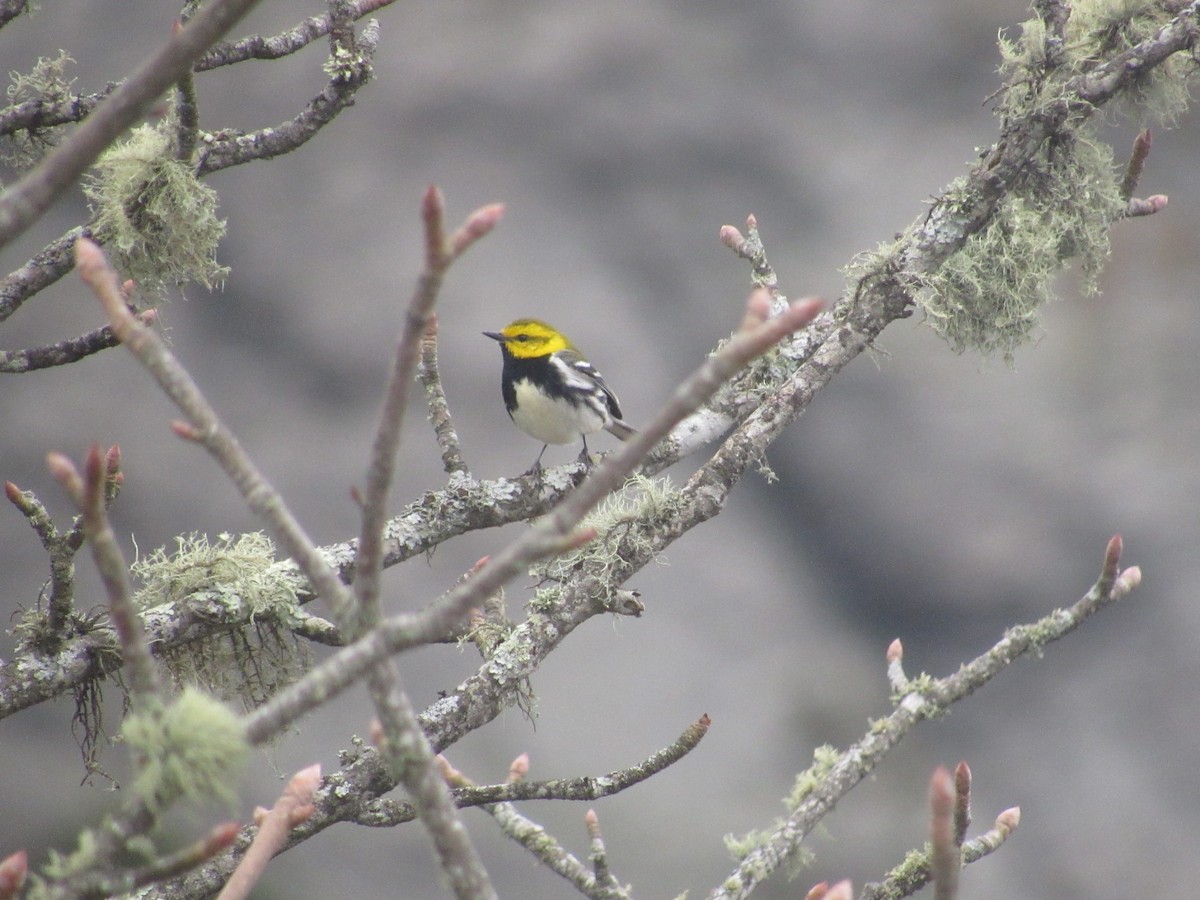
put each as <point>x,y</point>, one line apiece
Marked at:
<point>536,468</point>
<point>584,456</point>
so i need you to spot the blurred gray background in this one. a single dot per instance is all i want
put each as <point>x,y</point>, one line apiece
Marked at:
<point>927,496</point>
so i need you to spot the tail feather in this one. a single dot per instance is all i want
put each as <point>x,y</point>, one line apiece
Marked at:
<point>619,429</point>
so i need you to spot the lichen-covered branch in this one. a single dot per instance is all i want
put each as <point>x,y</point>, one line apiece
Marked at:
<point>924,698</point>
<point>385,812</point>
<point>222,150</point>
<point>283,44</point>
<point>24,202</point>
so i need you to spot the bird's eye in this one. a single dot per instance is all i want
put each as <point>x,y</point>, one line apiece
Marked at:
<point>521,337</point>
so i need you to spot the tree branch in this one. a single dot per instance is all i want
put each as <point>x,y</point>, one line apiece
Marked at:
<point>924,700</point>
<point>65,352</point>
<point>24,202</point>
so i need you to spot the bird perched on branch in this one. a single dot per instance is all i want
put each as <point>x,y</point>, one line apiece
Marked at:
<point>551,391</point>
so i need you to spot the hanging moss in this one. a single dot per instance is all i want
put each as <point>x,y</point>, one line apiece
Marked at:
<point>987,295</point>
<point>48,84</point>
<point>245,665</point>
<point>156,218</point>
<point>1098,30</point>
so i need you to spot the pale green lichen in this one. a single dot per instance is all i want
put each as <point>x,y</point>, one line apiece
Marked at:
<point>626,523</point>
<point>153,214</point>
<point>345,65</point>
<point>61,865</point>
<point>825,758</point>
<point>798,857</point>
<point>190,748</point>
<point>248,664</point>
<point>49,85</point>
<point>1096,31</point>
<point>240,564</point>
<point>988,294</point>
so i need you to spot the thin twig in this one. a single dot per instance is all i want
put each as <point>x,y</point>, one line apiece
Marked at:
<point>88,493</point>
<point>61,550</point>
<point>225,149</point>
<point>917,871</point>
<point>945,858</point>
<point>607,886</point>
<point>414,765</point>
<point>65,352</point>
<point>922,703</point>
<point>991,841</point>
<point>405,747</point>
<point>46,267</point>
<point>440,253</point>
<point>186,859</point>
<point>37,114</point>
<point>1137,162</point>
<point>962,802</point>
<point>293,807</point>
<point>284,44</point>
<point>439,408</point>
<point>187,113</point>
<point>530,835</point>
<point>385,812</point>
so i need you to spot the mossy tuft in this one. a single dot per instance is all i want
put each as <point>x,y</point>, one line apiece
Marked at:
<point>229,577</point>
<point>190,748</point>
<point>48,85</point>
<point>154,215</point>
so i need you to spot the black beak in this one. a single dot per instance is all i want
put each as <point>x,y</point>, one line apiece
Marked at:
<point>494,336</point>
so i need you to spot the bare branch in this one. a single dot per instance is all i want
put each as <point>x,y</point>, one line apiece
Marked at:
<point>284,44</point>
<point>88,493</point>
<point>46,267</point>
<point>225,149</point>
<point>439,409</point>
<point>65,352</point>
<point>33,115</point>
<point>385,812</point>
<point>944,855</point>
<point>293,807</point>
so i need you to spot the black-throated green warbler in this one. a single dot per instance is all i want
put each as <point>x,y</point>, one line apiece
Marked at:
<point>550,391</point>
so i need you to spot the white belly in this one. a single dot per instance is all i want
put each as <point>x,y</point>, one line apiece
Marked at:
<point>553,420</point>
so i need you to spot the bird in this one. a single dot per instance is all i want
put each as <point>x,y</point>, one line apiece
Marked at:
<point>551,391</point>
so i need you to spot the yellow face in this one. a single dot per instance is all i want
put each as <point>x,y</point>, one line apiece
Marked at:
<point>527,338</point>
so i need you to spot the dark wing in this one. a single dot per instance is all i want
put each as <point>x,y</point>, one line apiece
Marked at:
<point>582,374</point>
